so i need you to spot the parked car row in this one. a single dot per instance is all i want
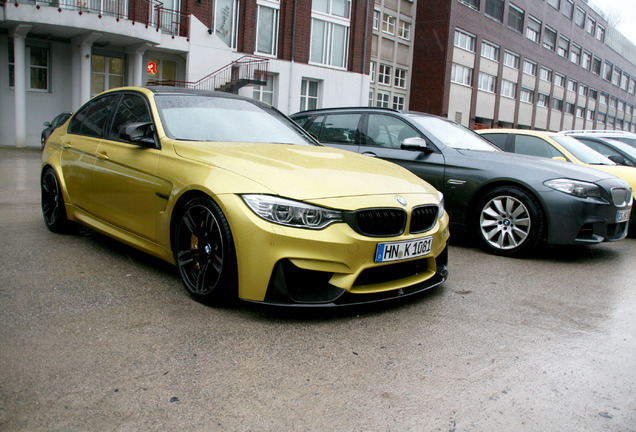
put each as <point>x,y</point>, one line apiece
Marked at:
<point>247,204</point>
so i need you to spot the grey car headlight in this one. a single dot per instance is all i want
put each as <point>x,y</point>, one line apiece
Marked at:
<point>291,213</point>
<point>575,187</point>
<point>440,208</point>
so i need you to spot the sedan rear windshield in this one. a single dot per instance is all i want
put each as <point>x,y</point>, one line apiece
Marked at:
<point>581,151</point>
<point>452,134</point>
<point>221,119</point>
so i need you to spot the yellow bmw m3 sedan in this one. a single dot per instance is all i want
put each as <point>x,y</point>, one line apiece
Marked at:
<point>242,200</point>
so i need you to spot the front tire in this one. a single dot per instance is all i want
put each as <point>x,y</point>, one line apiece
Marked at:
<point>204,252</point>
<point>509,221</point>
<point>53,209</point>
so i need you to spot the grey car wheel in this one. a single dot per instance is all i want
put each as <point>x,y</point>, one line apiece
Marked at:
<point>510,221</point>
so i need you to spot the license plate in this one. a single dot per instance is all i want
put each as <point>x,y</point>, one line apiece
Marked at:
<point>401,250</point>
<point>622,216</point>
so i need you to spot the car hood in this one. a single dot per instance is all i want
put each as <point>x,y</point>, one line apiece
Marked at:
<point>307,172</point>
<point>514,165</point>
<point>624,172</point>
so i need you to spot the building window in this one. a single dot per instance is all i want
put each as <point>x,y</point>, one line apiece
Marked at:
<point>161,70</point>
<point>600,33</point>
<point>508,89</point>
<point>613,102</point>
<point>526,95</point>
<point>567,8</point>
<point>533,29</point>
<point>388,24</point>
<point>464,40</point>
<point>398,102</point>
<point>490,51</point>
<point>575,54</point>
<point>543,100</point>
<point>226,17</point>
<point>616,76</point>
<point>593,94</point>
<point>596,66</point>
<point>106,73</point>
<point>579,17</point>
<point>580,112</point>
<point>632,86</point>
<point>586,60</point>
<point>265,93</point>
<point>559,80</point>
<point>545,74</point>
<point>400,78</point>
<point>37,63</point>
<point>549,38</point>
<point>564,46</point>
<point>511,60</point>
<point>384,75</point>
<point>590,115</point>
<point>487,82</point>
<point>582,90</point>
<point>404,30</point>
<point>515,18</point>
<point>607,71</point>
<point>569,108</point>
<point>495,9</point>
<point>376,19</point>
<point>590,25</point>
<point>372,71</point>
<point>555,4</point>
<point>571,85</point>
<point>603,99</point>
<point>621,105</point>
<point>382,100</point>
<point>461,75</point>
<point>471,3</point>
<point>624,81</point>
<point>557,104</point>
<point>530,67</point>
<point>330,32</point>
<point>267,27</point>
<point>308,94</point>
<point>371,97</point>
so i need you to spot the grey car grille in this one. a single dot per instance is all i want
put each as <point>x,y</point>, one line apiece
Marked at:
<point>621,196</point>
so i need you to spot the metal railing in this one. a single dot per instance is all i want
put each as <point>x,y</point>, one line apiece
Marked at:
<point>151,13</point>
<point>244,71</point>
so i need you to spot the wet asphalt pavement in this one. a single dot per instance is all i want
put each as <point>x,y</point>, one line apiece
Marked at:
<point>95,336</point>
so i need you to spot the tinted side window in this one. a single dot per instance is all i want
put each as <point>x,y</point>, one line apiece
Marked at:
<point>497,139</point>
<point>315,126</point>
<point>92,118</point>
<point>533,146</point>
<point>388,131</point>
<point>131,109</point>
<point>341,129</point>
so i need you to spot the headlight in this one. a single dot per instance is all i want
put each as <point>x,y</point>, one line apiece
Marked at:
<point>440,211</point>
<point>575,187</point>
<point>291,213</point>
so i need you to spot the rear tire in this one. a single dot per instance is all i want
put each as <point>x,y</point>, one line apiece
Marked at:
<point>509,221</point>
<point>204,252</point>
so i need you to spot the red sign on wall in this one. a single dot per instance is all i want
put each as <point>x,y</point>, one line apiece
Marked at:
<point>152,68</point>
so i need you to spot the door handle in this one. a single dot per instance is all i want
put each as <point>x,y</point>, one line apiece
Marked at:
<point>102,155</point>
<point>369,154</point>
<point>66,145</point>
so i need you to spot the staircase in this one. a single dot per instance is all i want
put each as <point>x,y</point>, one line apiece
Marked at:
<point>248,70</point>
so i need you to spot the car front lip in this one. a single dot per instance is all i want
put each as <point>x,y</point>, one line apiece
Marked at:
<point>337,251</point>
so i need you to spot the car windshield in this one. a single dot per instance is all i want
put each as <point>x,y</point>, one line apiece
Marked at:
<point>452,134</point>
<point>223,119</point>
<point>626,148</point>
<point>581,151</point>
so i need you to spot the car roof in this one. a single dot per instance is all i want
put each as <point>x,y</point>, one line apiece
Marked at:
<point>518,131</point>
<point>363,109</point>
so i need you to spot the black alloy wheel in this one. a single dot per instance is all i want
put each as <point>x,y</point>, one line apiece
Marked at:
<point>53,208</point>
<point>204,252</point>
<point>510,221</point>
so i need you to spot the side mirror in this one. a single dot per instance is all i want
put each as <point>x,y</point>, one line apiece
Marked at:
<point>139,133</point>
<point>414,143</point>
<point>617,159</point>
<point>47,124</point>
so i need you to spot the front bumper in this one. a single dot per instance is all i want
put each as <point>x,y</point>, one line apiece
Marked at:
<point>334,266</point>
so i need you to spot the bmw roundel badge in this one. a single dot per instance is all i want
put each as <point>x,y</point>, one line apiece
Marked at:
<point>400,200</point>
